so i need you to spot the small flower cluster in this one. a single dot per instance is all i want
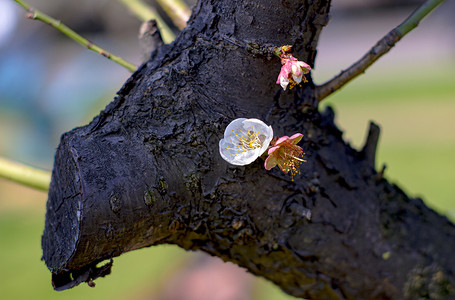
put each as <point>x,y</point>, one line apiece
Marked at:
<point>292,70</point>
<point>247,139</point>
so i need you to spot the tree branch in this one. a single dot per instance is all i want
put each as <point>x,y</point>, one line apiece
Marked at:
<point>382,47</point>
<point>177,10</point>
<point>26,175</point>
<point>38,15</point>
<point>145,13</point>
<point>371,143</point>
<point>147,171</point>
<point>149,39</point>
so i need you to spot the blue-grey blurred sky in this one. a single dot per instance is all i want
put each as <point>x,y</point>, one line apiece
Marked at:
<point>49,84</point>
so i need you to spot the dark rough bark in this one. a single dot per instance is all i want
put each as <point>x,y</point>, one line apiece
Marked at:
<point>147,171</point>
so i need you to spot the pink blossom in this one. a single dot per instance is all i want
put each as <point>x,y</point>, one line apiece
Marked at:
<point>293,70</point>
<point>283,77</point>
<point>286,154</point>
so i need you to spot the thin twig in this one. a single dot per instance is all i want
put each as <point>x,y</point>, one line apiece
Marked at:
<point>149,39</point>
<point>146,13</point>
<point>177,10</point>
<point>38,15</point>
<point>371,144</point>
<point>382,47</point>
<point>25,175</point>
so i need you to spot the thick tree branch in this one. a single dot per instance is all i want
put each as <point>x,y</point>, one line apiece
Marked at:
<point>147,171</point>
<point>382,47</point>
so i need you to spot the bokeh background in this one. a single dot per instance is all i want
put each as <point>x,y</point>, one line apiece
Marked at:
<point>49,85</point>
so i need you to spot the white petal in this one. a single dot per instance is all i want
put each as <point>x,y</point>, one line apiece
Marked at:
<point>247,157</point>
<point>262,129</point>
<point>297,79</point>
<point>234,127</point>
<point>284,82</point>
<point>254,124</point>
<point>228,154</point>
<point>295,69</point>
<point>229,146</point>
<point>268,139</point>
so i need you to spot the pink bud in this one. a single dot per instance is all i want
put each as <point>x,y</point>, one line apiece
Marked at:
<point>292,71</point>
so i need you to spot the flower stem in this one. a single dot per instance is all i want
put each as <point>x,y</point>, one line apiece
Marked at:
<point>145,13</point>
<point>382,47</point>
<point>25,175</point>
<point>38,15</point>
<point>177,10</point>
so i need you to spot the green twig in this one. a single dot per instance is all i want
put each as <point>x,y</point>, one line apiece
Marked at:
<point>414,19</point>
<point>381,48</point>
<point>145,13</point>
<point>26,175</point>
<point>177,10</point>
<point>38,15</point>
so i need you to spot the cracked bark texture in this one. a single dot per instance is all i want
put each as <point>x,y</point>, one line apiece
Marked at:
<point>147,171</point>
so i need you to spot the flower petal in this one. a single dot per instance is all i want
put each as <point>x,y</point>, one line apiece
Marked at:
<point>264,132</point>
<point>270,162</point>
<point>245,158</point>
<point>281,140</point>
<point>296,71</point>
<point>234,126</point>
<point>297,79</point>
<point>245,140</point>
<point>305,67</point>
<point>226,153</point>
<point>273,149</point>
<point>284,82</point>
<point>295,138</point>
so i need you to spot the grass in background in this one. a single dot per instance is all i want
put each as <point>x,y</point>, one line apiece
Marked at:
<point>416,113</point>
<point>139,274</point>
<point>24,276</point>
<point>417,143</point>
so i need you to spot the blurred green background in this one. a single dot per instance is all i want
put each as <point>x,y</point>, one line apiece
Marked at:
<point>49,85</point>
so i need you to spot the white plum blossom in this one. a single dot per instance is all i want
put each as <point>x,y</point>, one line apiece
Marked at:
<point>245,140</point>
